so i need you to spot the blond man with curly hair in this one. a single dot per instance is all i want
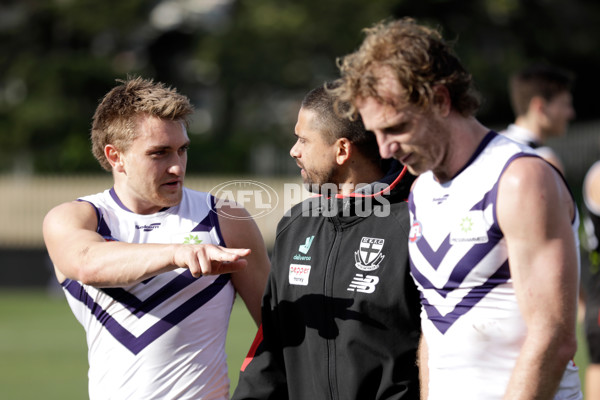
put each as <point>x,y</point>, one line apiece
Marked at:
<point>493,241</point>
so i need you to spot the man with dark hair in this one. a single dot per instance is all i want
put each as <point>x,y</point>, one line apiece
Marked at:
<point>135,260</point>
<point>340,312</point>
<point>493,241</point>
<point>541,99</point>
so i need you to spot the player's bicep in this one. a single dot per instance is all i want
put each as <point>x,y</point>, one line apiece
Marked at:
<point>534,212</point>
<point>68,230</point>
<point>242,232</point>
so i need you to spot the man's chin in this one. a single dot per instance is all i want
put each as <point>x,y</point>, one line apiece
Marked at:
<point>171,200</point>
<point>312,187</point>
<point>414,171</point>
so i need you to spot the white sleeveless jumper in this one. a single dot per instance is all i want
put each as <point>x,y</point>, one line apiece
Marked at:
<point>163,338</point>
<point>470,316</point>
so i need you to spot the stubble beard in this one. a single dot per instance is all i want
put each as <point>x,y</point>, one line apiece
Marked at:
<point>169,199</point>
<point>314,182</point>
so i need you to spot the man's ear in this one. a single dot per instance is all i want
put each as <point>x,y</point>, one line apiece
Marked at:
<point>441,100</point>
<point>537,104</point>
<point>114,157</point>
<point>343,150</point>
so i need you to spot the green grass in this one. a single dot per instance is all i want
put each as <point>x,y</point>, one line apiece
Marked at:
<point>581,357</point>
<point>242,331</point>
<point>43,350</point>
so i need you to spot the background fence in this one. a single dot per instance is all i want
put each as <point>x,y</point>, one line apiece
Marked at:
<point>25,199</point>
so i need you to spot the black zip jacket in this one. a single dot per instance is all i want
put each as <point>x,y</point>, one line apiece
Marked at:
<point>340,314</point>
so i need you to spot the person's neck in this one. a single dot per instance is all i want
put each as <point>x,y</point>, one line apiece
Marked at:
<point>361,173</point>
<point>129,201</point>
<point>466,135</point>
<point>529,123</point>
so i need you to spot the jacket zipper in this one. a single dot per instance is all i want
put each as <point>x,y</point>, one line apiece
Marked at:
<point>328,291</point>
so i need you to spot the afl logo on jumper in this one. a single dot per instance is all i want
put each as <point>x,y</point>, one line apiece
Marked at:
<point>368,256</point>
<point>416,231</point>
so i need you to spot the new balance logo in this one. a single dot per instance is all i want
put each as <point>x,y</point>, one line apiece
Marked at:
<point>363,283</point>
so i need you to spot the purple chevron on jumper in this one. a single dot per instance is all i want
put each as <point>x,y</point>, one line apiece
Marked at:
<point>140,308</point>
<point>461,269</point>
<point>444,322</point>
<point>210,221</point>
<point>124,336</point>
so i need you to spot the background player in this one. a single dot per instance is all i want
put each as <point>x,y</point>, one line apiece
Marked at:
<point>542,102</point>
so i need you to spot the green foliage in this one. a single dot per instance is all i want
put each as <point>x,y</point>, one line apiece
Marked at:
<point>248,65</point>
<point>52,75</point>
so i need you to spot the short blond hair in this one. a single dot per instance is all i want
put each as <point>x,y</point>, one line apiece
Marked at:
<point>115,119</point>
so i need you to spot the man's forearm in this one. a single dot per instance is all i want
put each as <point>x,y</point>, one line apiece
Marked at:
<point>118,264</point>
<point>539,369</point>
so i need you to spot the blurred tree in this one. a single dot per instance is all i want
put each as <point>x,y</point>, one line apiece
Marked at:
<point>497,37</point>
<point>57,58</point>
<point>246,65</point>
<point>268,57</point>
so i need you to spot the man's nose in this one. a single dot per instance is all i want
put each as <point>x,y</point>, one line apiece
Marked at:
<point>387,147</point>
<point>294,153</point>
<point>178,165</point>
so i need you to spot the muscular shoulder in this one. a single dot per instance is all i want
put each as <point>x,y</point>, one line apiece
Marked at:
<point>526,173</point>
<point>530,187</point>
<point>79,213</point>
